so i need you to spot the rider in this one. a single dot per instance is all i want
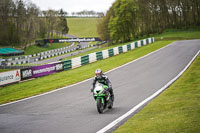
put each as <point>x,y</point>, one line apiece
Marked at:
<point>102,78</point>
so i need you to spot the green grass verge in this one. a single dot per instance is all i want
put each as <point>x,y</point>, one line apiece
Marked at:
<point>57,80</point>
<point>4,70</point>
<point>178,35</point>
<point>83,27</point>
<point>176,110</point>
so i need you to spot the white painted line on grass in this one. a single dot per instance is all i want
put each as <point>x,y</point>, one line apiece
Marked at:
<point>84,80</point>
<point>115,122</point>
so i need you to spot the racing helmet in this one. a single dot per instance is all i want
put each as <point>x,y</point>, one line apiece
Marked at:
<point>98,73</point>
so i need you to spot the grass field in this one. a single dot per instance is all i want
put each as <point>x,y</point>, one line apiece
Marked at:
<point>35,49</point>
<point>176,110</point>
<point>83,27</point>
<point>178,35</point>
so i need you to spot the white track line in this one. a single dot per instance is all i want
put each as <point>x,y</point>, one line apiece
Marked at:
<point>115,122</point>
<point>84,80</point>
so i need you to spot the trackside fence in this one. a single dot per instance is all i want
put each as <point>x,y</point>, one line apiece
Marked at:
<point>43,70</point>
<point>39,56</point>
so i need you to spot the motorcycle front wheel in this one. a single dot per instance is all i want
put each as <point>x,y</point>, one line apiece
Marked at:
<point>100,106</point>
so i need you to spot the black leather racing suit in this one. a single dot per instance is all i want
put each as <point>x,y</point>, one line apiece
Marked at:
<point>103,80</point>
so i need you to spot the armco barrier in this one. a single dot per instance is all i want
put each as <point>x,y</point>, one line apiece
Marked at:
<point>67,65</point>
<point>136,44</point>
<point>92,57</point>
<point>110,52</point>
<point>142,43</point>
<point>129,47</point>
<point>39,56</point>
<point>115,50</point>
<point>120,49</point>
<point>43,70</point>
<point>139,43</point>
<point>124,48</point>
<point>85,60</point>
<point>147,40</point>
<point>76,62</point>
<point>99,55</point>
<point>105,54</point>
<point>80,61</point>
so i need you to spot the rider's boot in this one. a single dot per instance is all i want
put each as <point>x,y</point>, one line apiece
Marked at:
<point>112,95</point>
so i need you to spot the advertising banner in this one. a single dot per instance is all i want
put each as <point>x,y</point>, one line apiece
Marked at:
<point>43,70</point>
<point>88,39</point>
<point>26,73</point>
<point>9,77</point>
<point>47,69</point>
<point>92,39</point>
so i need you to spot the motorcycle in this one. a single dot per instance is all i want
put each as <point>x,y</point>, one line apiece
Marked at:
<point>102,97</point>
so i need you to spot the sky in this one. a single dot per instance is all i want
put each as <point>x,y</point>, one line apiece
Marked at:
<point>74,5</point>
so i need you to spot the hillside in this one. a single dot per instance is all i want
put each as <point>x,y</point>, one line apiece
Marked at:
<point>83,27</point>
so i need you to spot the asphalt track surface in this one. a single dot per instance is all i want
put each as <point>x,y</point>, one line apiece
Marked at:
<point>73,109</point>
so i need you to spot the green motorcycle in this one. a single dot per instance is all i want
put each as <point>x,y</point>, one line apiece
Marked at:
<point>102,97</point>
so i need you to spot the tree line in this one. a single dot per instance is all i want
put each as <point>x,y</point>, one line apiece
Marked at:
<point>128,19</point>
<point>22,22</point>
